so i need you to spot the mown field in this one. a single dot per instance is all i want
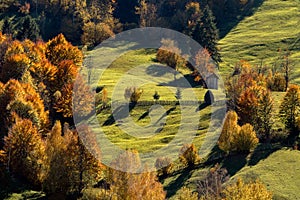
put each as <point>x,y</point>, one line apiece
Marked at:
<point>274,25</point>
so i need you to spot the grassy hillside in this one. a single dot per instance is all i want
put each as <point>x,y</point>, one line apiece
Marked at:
<point>280,172</point>
<point>257,38</point>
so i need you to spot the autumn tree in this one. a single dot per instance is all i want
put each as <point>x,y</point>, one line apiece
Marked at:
<point>22,99</point>
<point>193,14</point>
<point>242,191</point>
<point>73,160</point>
<point>188,155</point>
<point>255,106</point>
<point>211,187</point>
<point>265,118</point>
<point>56,178</point>
<point>243,77</point>
<point>245,140</point>
<point>163,165</point>
<point>94,34</point>
<point>230,128</point>
<point>147,12</point>
<point>24,151</point>
<point>290,107</point>
<point>170,54</point>
<point>133,94</point>
<point>59,49</point>
<point>126,184</point>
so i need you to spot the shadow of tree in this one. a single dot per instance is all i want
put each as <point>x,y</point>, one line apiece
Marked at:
<point>158,70</point>
<point>144,115</point>
<point>178,182</point>
<point>119,113</point>
<point>201,106</point>
<point>261,152</point>
<point>234,163</point>
<point>165,114</point>
<point>227,21</point>
<point>182,82</point>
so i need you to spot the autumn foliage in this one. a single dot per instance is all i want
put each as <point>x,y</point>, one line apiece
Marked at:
<point>24,151</point>
<point>243,191</point>
<point>234,138</point>
<point>128,182</point>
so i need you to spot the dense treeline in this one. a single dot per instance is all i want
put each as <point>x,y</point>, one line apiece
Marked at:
<point>92,21</point>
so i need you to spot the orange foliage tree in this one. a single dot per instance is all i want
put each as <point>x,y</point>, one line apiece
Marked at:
<point>22,99</point>
<point>128,185</point>
<point>71,164</point>
<point>59,49</point>
<point>25,151</point>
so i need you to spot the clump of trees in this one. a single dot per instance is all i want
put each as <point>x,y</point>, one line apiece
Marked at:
<point>235,138</point>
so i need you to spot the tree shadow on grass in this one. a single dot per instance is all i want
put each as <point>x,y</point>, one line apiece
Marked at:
<point>261,152</point>
<point>144,115</point>
<point>178,182</point>
<point>233,162</point>
<point>185,81</point>
<point>202,106</point>
<point>228,21</point>
<point>119,113</point>
<point>165,114</point>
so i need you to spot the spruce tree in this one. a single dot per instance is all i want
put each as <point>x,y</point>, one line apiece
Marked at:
<point>207,34</point>
<point>28,29</point>
<point>7,27</point>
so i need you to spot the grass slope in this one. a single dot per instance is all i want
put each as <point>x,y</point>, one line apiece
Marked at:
<point>280,172</point>
<point>257,38</point>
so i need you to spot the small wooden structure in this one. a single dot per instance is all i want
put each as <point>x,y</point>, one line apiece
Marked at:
<point>212,80</point>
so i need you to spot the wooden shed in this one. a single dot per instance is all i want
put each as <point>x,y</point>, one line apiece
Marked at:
<point>212,80</point>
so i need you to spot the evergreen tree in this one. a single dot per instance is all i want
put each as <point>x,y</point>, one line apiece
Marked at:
<point>290,107</point>
<point>29,29</point>
<point>125,11</point>
<point>207,34</point>
<point>7,27</point>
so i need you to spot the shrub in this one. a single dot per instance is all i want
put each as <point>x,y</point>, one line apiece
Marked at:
<point>133,94</point>
<point>164,165</point>
<point>189,155</point>
<point>156,96</point>
<point>185,193</point>
<point>246,139</point>
<point>170,54</point>
<point>254,190</point>
<point>277,83</point>
<point>212,186</point>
